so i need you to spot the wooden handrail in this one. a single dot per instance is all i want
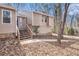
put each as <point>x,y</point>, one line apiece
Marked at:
<point>18,34</point>
<point>29,29</point>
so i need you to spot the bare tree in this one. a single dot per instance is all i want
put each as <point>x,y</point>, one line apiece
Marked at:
<point>62,23</point>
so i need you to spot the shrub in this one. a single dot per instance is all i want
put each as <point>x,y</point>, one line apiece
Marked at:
<point>35,29</point>
<point>54,30</point>
<point>71,31</point>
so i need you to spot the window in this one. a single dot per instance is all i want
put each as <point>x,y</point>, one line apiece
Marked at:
<point>45,19</point>
<point>42,20</point>
<point>6,16</point>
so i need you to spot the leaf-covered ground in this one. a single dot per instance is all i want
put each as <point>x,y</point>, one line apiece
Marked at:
<point>50,48</point>
<point>10,47</point>
<point>38,47</point>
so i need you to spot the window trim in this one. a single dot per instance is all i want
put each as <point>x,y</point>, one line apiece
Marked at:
<point>10,16</point>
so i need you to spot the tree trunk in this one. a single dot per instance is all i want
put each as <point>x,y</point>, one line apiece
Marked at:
<point>62,24</point>
<point>58,16</point>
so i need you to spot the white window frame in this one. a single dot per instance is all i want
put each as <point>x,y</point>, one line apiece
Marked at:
<point>10,16</point>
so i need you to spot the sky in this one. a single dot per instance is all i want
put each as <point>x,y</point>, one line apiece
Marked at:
<point>73,8</point>
<point>37,6</point>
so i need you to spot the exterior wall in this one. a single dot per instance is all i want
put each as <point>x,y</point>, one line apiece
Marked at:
<point>51,21</point>
<point>42,22</point>
<point>45,22</point>
<point>37,18</point>
<point>29,17</point>
<point>8,28</point>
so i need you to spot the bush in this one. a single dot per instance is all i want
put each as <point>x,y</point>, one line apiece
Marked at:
<point>35,29</point>
<point>71,31</point>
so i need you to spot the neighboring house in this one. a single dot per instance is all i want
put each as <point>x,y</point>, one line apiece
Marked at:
<point>7,20</point>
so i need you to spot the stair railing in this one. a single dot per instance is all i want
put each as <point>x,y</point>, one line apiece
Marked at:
<point>18,34</point>
<point>29,29</point>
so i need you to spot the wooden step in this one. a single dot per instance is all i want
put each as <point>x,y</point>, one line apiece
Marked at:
<point>24,34</point>
<point>43,37</point>
<point>25,37</point>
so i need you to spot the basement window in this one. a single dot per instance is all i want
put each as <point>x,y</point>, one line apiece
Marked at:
<point>6,16</point>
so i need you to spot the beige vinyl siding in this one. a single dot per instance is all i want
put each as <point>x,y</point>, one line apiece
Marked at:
<point>43,18</point>
<point>29,17</point>
<point>39,20</point>
<point>51,21</point>
<point>36,21</point>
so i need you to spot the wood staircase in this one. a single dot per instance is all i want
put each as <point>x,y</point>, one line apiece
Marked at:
<point>43,37</point>
<point>26,33</point>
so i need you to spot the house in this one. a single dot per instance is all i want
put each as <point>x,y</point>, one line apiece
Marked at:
<point>44,21</point>
<point>7,21</point>
<point>24,20</point>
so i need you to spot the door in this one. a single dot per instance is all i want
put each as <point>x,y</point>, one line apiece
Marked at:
<point>20,23</point>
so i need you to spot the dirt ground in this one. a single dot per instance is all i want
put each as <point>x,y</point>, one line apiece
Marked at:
<point>39,47</point>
